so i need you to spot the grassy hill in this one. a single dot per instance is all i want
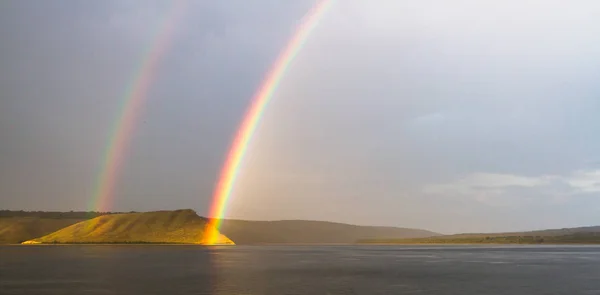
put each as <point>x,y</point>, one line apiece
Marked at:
<point>579,235</point>
<point>14,230</point>
<point>177,227</point>
<point>310,232</point>
<point>107,227</point>
<point>19,226</point>
<point>184,226</point>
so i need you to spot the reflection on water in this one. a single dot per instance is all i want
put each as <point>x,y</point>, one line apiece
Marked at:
<point>236,272</point>
<point>154,269</point>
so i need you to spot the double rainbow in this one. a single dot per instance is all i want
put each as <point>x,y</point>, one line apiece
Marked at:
<point>136,96</point>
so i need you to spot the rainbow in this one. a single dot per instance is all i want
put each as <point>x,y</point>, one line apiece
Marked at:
<point>130,109</point>
<point>253,115</point>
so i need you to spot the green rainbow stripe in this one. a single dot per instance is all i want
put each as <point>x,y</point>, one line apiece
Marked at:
<point>130,110</point>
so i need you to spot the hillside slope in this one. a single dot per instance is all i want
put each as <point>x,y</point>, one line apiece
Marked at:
<point>578,235</point>
<point>310,232</point>
<point>14,230</point>
<point>555,232</point>
<point>180,227</point>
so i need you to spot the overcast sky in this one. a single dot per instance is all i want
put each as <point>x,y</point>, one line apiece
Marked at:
<point>462,116</point>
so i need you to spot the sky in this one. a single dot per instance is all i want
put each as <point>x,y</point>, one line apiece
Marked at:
<point>470,116</point>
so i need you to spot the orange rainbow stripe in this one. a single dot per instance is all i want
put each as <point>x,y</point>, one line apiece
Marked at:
<point>253,115</point>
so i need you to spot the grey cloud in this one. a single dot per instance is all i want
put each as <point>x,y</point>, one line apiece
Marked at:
<point>388,97</point>
<point>490,188</point>
<point>66,67</point>
<point>385,98</point>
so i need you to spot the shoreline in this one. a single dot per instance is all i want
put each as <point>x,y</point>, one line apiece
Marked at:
<point>117,244</point>
<point>306,245</point>
<point>481,244</point>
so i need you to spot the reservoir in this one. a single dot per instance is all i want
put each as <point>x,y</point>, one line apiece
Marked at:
<point>173,269</point>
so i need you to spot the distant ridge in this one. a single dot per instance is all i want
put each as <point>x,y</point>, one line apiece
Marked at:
<point>56,214</point>
<point>14,230</point>
<point>169,227</point>
<point>310,232</point>
<point>576,235</point>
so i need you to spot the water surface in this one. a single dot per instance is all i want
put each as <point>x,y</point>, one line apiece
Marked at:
<point>154,269</point>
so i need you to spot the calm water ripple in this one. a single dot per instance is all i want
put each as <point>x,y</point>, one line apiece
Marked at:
<point>278,270</point>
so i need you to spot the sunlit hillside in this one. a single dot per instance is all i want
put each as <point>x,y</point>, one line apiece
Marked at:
<point>177,227</point>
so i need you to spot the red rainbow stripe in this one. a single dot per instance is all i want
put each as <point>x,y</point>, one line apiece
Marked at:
<point>132,104</point>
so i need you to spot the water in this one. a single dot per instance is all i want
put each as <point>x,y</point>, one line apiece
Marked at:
<point>278,270</point>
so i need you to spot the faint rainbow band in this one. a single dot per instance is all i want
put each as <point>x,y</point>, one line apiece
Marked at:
<point>133,101</point>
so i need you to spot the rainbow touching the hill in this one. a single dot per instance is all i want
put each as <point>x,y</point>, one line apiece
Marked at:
<point>253,115</point>
<point>130,109</point>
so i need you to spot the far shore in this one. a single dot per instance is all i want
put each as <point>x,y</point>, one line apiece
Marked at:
<point>478,244</point>
<point>309,244</point>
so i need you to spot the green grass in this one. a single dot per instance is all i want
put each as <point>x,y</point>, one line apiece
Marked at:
<point>161,227</point>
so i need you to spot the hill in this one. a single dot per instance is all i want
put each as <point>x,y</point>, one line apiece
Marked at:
<point>310,232</point>
<point>19,226</point>
<point>558,232</point>
<point>579,235</point>
<point>14,230</point>
<point>168,227</point>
